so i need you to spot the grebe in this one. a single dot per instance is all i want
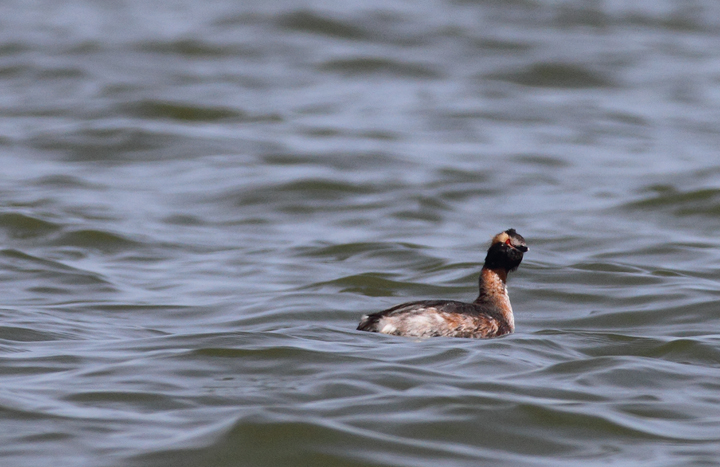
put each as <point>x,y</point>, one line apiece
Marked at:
<point>490,315</point>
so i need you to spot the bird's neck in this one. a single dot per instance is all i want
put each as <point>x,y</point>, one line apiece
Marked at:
<point>493,291</point>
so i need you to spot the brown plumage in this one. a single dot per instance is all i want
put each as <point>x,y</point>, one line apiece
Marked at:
<point>490,315</point>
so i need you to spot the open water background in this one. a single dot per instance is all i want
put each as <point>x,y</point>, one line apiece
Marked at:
<point>198,201</point>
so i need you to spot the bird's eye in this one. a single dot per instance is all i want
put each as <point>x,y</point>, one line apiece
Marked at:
<point>521,248</point>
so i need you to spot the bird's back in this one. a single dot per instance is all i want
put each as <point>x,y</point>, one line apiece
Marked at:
<point>431,318</point>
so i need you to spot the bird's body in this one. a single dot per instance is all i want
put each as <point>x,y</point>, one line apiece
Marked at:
<point>490,315</point>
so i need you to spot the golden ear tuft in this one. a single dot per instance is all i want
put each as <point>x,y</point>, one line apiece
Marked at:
<point>502,237</point>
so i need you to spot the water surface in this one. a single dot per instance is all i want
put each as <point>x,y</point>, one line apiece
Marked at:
<point>198,201</point>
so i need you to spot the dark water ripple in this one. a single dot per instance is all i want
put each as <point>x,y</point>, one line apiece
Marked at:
<point>198,201</point>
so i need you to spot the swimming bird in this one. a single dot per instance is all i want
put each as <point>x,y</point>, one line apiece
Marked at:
<point>490,315</point>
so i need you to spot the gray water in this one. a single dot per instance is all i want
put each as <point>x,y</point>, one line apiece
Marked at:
<point>199,200</point>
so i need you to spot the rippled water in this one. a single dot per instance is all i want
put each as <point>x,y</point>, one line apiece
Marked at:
<point>199,200</point>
